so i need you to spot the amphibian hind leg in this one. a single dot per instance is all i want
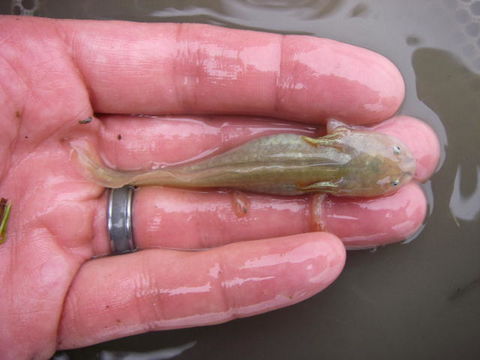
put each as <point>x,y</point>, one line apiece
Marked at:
<point>317,216</point>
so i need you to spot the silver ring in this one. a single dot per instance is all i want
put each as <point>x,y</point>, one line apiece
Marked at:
<point>119,220</point>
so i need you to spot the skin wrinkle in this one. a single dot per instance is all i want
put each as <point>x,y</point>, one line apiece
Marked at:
<point>192,58</point>
<point>7,292</point>
<point>18,74</point>
<point>215,71</point>
<point>40,217</point>
<point>179,88</point>
<point>280,77</point>
<point>201,65</point>
<point>159,314</point>
<point>79,241</point>
<point>56,328</point>
<point>19,120</point>
<point>146,280</point>
<point>99,246</point>
<point>44,142</point>
<point>157,321</point>
<point>219,317</point>
<point>68,46</point>
<point>68,295</point>
<point>202,238</point>
<point>279,73</point>
<point>219,279</point>
<point>6,34</point>
<point>59,278</point>
<point>73,304</point>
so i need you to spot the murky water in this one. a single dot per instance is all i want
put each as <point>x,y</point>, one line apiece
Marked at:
<point>409,301</point>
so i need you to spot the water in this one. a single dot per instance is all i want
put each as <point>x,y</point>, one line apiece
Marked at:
<point>408,301</point>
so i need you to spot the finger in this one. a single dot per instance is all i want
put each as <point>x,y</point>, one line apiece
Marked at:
<point>182,219</point>
<point>191,68</point>
<point>187,219</point>
<point>161,289</point>
<point>367,223</point>
<point>128,142</point>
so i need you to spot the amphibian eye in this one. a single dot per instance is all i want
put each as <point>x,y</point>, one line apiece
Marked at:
<point>397,150</point>
<point>396,182</point>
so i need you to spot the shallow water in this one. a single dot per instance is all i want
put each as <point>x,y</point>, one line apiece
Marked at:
<point>408,301</point>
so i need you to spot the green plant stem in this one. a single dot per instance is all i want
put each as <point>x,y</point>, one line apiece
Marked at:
<point>4,222</point>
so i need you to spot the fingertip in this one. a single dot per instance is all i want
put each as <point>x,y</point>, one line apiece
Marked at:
<point>398,85</point>
<point>415,213</point>
<point>299,266</point>
<point>323,78</point>
<point>378,221</point>
<point>338,256</point>
<point>331,255</point>
<point>389,83</point>
<point>337,248</point>
<point>409,208</point>
<point>312,258</point>
<point>420,138</point>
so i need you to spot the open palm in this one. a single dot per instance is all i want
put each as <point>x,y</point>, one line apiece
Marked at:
<point>57,291</point>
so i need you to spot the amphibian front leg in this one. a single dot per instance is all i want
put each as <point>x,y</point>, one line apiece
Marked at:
<point>321,186</point>
<point>332,140</point>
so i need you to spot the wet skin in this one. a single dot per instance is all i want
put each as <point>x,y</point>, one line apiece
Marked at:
<point>58,292</point>
<point>345,162</point>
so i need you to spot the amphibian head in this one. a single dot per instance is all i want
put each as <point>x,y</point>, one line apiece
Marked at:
<point>380,164</point>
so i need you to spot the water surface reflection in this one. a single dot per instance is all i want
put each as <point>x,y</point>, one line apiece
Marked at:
<point>452,91</point>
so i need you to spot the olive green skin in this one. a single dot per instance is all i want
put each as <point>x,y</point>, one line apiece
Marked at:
<point>343,163</point>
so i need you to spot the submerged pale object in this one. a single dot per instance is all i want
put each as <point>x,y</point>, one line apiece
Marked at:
<point>345,162</point>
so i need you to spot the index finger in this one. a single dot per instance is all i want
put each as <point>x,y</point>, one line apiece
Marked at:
<point>201,69</point>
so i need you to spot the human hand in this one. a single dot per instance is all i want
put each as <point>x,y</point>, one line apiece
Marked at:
<point>57,292</point>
